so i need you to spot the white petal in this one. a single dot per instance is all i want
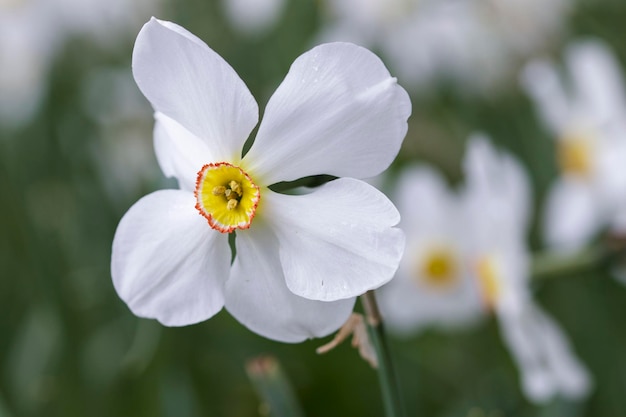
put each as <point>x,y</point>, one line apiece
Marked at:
<point>337,242</point>
<point>572,215</point>
<point>497,186</point>
<point>571,377</point>
<point>408,306</point>
<point>180,153</point>
<point>542,83</point>
<point>596,75</point>
<point>542,353</point>
<point>257,296</point>
<point>426,203</point>
<point>609,175</point>
<point>167,263</point>
<point>187,81</point>
<point>536,380</point>
<point>253,17</point>
<point>337,112</point>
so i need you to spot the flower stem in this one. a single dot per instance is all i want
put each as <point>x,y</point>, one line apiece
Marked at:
<point>547,264</point>
<point>277,395</point>
<point>386,374</point>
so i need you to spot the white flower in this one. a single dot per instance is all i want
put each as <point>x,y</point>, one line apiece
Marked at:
<point>476,44</point>
<point>497,199</point>
<point>588,121</point>
<point>123,119</point>
<point>26,49</point>
<point>433,286</point>
<point>300,259</point>
<point>252,17</point>
<point>466,256</point>
<point>32,32</point>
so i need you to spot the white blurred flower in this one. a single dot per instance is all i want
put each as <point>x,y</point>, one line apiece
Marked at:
<point>497,199</point>
<point>300,259</point>
<point>586,114</point>
<point>433,286</point>
<point>252,17</point>
<point>475,43</point>
<point>466,255</point>
<point>27,45</point>
<point>106,22</point>
<point>32,32</point>
<point>121,149</point>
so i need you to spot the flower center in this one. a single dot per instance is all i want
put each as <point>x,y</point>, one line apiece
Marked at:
<point>574,154</point>
<point>489,280</point>
<point>226,196</point>
<point>438,269</point>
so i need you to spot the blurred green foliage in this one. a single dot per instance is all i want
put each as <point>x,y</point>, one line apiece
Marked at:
<point>70,347</point>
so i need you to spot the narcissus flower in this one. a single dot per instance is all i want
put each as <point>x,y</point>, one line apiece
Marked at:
<point>466,256</point>
<point>475,44</point>
<point>253,17</point>
<point>497,199</point>
<point>33,32</point>
<point>433,286</point>
<point>588,121</point>
<point>299,259</point>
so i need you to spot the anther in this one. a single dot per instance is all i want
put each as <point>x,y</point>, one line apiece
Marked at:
<point>219,190</point>
<point>236,187</point>
<point>232,204</point>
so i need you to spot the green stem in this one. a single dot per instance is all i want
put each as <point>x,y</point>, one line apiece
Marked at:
<point>548,264</point>
<point>273,387</point>
<point>386,374</point>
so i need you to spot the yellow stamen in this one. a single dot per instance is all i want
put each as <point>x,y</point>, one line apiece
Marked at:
<point>236,187</point>
<point>232,204</point>
<point>575,154</point>
<point>226,196</point>
<point>219,190</point>
<point>490,280</point>
<point>438,268</point>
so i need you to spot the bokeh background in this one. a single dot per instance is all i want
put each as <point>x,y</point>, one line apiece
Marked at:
<point>76,153</point>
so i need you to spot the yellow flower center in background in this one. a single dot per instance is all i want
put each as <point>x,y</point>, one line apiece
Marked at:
<point>575,154</point>
<point>489,279</point>
<point>226,196</point>
<point>438,268</point>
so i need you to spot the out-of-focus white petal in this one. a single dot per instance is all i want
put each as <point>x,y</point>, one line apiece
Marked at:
<point>187,81</point>
<point>597,78</point>
<point>609,173</point>
<point>571,377</point>
<point>497,189</point>
<point>426,205</point>
<point>179,152</point>
<point>337,112</point>
<point>257,296</point>
<point>336,242</point>
<point>542,83</point>
<point>572,215</point>
<point>28,45</point>
<point>514,264</point>
<point>167,263</point>
<point>547,365</point>
<point>252,17</point>
<point>408,307</point>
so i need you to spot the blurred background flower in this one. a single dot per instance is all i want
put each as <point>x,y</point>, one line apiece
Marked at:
<point>476,45</point>
<point>76,151</point>
<point>585,113</point>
